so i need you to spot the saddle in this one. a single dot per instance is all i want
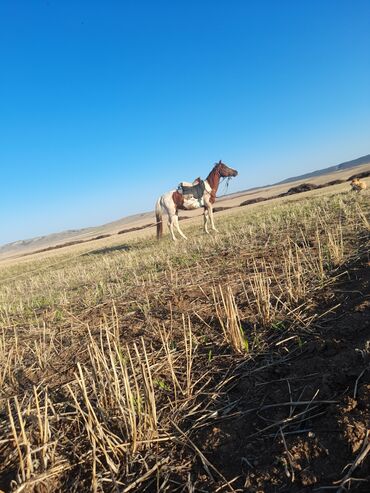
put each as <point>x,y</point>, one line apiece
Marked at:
<point>193,190</point>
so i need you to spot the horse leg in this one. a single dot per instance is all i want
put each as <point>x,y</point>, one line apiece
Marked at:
<point>171,224</point>
<point>210,212</point>
<point>171,210</point>
<point>205,217</point>
<point>176,223</point>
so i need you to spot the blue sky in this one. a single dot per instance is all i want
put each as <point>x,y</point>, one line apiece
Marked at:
<point>104,105</point>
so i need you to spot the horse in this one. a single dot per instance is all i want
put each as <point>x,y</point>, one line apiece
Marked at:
<point>190,196</point>
<point>358,185</point>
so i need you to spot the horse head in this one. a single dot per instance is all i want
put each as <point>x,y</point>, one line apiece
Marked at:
<point>224,170</point>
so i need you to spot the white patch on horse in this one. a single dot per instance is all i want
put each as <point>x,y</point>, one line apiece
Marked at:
<point>191,203</point>
<point>208,186</point>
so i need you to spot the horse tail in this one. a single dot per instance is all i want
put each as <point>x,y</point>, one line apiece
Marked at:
<point>158,216</point>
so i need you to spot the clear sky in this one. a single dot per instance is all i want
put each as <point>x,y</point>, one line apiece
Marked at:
<point>104,105</point>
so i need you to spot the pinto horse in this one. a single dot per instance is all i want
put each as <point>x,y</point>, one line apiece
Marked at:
<point>174,200</point>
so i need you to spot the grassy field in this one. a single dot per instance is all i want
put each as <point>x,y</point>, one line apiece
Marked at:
<point>205,365</point>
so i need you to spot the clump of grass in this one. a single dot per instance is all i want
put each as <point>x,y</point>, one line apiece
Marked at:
<point>229,320</point>
<point>260,298</point>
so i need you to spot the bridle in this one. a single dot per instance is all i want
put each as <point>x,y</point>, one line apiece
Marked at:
<point>226,184</point>
<point>223,178</point>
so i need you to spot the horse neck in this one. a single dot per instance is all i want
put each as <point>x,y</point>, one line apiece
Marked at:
<point>214,180</point>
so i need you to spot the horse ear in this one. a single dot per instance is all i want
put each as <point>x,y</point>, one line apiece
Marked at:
<point>220,162</point>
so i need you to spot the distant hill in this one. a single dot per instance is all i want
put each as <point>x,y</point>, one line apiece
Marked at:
<point>20,247</point>
<point>338,167</point>
<point>42,241</point>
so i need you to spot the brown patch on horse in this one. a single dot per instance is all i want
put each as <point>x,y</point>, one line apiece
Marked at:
<point>178,200</point>
<point>213,197</point>
<point>214,180</point>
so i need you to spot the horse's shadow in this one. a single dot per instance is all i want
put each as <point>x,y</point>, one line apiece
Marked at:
<point>103,251</point>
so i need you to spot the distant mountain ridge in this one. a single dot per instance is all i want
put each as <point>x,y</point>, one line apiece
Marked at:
<point>40,242</point>
<point>338,167</point>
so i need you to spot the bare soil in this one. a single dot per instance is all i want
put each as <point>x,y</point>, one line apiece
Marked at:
<point>275,440</point>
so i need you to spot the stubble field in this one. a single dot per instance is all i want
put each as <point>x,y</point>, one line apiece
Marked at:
<point>234,362</point>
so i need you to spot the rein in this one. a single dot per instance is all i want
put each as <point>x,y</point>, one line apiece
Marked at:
<point>226,184</point>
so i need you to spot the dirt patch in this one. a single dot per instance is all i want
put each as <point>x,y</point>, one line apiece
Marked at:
<point>334,182</point>
<point>137,228</point>
<point>67,244</point>
<point>364,174</point>
<point>219,209</point>
<point>253,201</point>
<point>298,423</point>
<point>304,187</point>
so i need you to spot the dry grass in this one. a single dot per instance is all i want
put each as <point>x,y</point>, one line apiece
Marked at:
<point>109,360</point>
